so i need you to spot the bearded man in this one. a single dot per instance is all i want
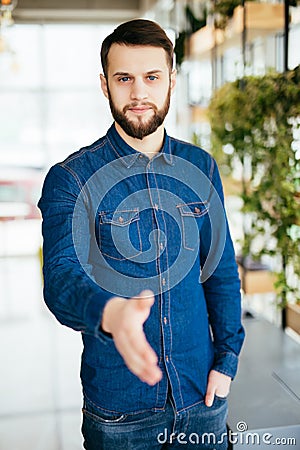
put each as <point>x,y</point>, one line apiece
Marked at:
<point>138,257</point>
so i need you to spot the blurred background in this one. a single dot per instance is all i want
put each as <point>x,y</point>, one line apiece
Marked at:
<point>237,97</point>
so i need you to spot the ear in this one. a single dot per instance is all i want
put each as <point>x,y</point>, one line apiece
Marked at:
<point>104,85</point>
<point>173,80</point>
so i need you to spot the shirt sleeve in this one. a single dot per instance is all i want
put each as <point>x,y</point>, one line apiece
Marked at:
<point>70,291</point>
<point>221,283</point>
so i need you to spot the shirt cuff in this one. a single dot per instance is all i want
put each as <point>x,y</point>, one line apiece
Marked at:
<point>226,363</point>
<point>93,316</point>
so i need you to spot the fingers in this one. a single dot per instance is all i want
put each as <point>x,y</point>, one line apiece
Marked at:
<point>139,356</point>
<point>125,319</point>
<point>131,342</point>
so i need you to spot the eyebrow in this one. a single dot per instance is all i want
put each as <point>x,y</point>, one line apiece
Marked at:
<point>126,74</point>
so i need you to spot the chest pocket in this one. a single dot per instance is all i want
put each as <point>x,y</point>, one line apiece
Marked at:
<point>119,234</point>
<point>192,215</point>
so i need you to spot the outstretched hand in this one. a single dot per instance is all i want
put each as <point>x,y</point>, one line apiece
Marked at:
<point>124,319</point>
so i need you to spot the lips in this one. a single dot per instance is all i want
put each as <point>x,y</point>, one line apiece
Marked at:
<point>139,109</point>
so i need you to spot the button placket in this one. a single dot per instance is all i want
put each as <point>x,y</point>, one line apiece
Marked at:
<point>162,257</point>
<point>162,265</point>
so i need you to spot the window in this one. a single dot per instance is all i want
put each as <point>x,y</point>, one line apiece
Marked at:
<point>50,98</point>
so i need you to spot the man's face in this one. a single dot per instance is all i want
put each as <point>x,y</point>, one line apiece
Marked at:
<point>138,86</point>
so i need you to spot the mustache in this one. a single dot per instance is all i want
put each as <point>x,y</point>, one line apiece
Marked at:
<point>138,104</point>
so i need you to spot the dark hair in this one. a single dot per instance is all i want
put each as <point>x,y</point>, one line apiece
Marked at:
<point>137,32</point>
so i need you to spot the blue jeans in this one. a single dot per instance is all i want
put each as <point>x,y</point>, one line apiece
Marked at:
<point>198,427</point>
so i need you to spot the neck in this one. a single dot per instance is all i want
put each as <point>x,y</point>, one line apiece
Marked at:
<point>149,145</point>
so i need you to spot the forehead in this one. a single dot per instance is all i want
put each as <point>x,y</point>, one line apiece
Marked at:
<point>136,58</point>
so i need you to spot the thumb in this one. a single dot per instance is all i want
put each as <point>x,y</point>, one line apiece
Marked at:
<point>144,300</point>
<point>210,395</point>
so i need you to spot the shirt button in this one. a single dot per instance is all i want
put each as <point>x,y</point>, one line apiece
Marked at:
<point>161,246</point>
<point>197,210</point>
<point>167,358</point>
<point>121,220</point>
<point>156,206</point>
<point>163,281</point>
<point>165,320</point>
<point>141,156</point>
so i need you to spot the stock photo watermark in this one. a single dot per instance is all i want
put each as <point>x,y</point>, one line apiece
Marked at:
<point>119,217</point>
<point>240,437</point>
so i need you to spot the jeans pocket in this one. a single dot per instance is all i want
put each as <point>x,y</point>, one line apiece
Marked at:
<point>101,417</point>
<point>221,399</point>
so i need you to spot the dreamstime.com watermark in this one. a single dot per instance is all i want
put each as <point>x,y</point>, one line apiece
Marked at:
<point>241,437</point>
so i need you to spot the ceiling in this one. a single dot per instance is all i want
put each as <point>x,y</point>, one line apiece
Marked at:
<point>95,11</point>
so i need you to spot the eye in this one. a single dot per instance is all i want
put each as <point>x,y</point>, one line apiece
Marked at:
<point>152,77</point>
<point>124,79</point>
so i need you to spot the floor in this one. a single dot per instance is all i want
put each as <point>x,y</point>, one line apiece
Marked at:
<point>40,407</point>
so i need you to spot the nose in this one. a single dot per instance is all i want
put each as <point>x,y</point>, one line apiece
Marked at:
<point>138,90</point>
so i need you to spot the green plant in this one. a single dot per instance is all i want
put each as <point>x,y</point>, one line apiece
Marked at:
<point>193,24</point>
<point>223,11</point>
<point>254,123</point>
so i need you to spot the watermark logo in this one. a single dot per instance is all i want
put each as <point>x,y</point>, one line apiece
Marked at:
<point>241,437</point>
<point>241,426</point>
<point>108,186</point>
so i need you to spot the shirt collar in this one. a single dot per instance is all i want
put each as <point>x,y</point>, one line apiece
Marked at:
<point>129,155</point>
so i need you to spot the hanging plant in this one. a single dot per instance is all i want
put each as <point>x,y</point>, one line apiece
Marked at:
<point>193,24</point>
<point>223,11</point>
<point>256,121</point>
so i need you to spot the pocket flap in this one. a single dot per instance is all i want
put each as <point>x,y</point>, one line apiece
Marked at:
<point>120,218</point>
<point>193,209</point>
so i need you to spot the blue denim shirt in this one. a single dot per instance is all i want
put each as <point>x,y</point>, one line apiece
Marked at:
<point>116,222</point>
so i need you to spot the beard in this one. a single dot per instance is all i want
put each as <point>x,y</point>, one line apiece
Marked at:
<point>141,127</point>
